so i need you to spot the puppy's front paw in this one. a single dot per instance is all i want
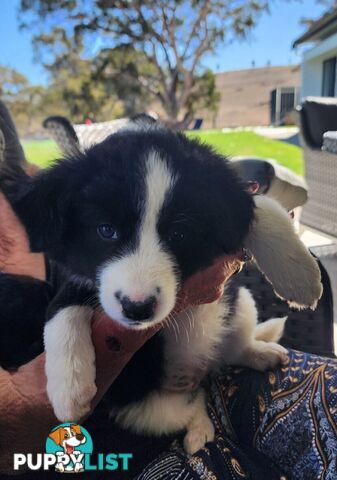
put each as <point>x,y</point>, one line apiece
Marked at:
<point>198,435</point>
<point>263,356</point>
<point>71,406</point>
<point>70,363</point>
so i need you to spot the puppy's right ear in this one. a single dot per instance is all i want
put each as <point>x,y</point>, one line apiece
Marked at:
<point>40,204</point>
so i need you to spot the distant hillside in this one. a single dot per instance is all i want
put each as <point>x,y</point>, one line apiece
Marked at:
<point>245,95</point>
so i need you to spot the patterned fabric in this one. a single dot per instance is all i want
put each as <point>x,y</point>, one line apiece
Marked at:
<point>273,425</point>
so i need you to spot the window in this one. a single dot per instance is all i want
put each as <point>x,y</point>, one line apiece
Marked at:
<point>329,77</point>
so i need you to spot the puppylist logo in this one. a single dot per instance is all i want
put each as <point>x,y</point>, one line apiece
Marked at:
<point>69,449</point>
<point>69,443</point>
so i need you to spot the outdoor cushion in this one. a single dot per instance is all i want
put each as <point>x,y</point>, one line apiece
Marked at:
<point>320,116</point>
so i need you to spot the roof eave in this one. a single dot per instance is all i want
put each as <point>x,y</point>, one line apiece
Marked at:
<point>316,29</point>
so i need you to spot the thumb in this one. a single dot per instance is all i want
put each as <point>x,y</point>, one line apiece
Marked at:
<point>114,346</point>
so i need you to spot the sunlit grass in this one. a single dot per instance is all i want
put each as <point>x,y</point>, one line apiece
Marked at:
<point>245,143</point>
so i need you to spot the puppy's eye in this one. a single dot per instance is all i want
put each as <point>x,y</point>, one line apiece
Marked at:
<point>175,236</point>
<point>107,232</point>
<point>66,435</point>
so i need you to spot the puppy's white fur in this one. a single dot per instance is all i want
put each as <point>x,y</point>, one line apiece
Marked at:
<point>149,270</point>
<point>70,362</point>
<point>282,257</point>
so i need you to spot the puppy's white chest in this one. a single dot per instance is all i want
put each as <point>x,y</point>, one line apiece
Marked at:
<point>192,345</point>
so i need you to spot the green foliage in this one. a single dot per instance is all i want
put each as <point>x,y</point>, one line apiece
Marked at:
<point>120,69</point>
<point>12,83</point>
<point>24,100</point>
<point>204,94</point>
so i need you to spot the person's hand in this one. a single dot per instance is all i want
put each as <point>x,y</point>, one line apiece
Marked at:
<point>15,255</point>
<point>26,416</point>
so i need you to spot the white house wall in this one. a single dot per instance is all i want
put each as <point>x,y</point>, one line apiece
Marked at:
<point>312,65</point>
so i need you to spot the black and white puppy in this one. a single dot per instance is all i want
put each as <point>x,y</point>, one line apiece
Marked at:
<point>131,219</point>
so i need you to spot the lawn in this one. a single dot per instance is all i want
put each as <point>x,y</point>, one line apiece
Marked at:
<point>244,143</point>
<point>43,152</point>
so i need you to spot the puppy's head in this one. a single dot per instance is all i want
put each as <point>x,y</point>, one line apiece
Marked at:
<point>137,214</point>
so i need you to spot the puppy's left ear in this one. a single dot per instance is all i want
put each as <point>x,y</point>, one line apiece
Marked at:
<point>282,257</point>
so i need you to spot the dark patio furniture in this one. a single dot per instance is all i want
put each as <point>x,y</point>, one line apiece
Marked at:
<point>316,117</point>
<point>197,124</point>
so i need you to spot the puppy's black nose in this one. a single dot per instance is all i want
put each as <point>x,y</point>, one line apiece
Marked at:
<point>138,311</point>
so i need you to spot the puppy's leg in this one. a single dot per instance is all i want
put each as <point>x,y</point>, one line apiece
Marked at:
<point>70,355</point>
<point>200,429</point>
<point>163,413</point>
<point>249,345</point>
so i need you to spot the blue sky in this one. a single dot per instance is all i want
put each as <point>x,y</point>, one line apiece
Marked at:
<point>270,42</point>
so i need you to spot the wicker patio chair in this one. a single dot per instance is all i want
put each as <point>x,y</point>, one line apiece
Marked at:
<point>306,330</point>
<point>318,135</point>
<point>316,117</point>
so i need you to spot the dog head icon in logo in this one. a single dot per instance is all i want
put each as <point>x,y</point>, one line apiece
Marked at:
<point>69,442</point>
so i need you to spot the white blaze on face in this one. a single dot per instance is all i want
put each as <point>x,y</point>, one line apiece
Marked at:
<point>147,271</point>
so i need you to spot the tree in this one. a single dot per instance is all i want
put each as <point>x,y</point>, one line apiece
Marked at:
<point>174,36</point>
<point>120,69</point>
<point>75,84</point>
<point>329,4</point>
<point>23,99</point>
<point>12,84</point>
